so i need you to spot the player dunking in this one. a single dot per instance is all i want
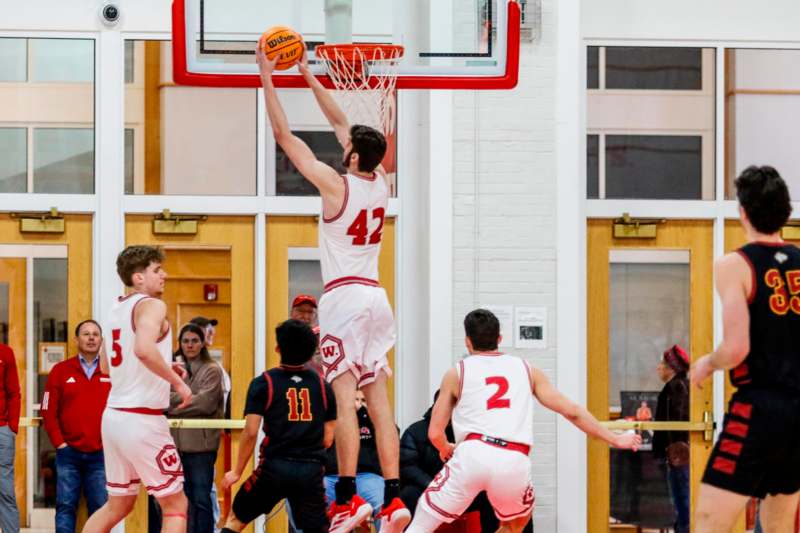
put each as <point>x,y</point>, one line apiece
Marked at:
<point>489,396</point>
<point>137,444</point>
<point>356,322</point>
<point>758,451</point>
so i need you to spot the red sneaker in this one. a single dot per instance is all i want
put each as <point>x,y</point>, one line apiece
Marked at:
<point>349,516</point>
<point>395,517</point>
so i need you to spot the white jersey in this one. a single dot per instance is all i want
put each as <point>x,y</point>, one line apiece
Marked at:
<point>495,398</point>
<point>351,241</point>
<point>132,384</point>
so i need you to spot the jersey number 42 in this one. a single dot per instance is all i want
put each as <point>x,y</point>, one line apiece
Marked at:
<point>359,228</point>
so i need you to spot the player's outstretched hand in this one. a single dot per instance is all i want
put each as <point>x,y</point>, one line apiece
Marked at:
<point>185,393</point>
<point>179,369</point>
<point>701,370</point>
<point>628,441</point>
<point>447,452</point>
<point>302,65</point>
<point>229,479</point>
<point>265,65</point>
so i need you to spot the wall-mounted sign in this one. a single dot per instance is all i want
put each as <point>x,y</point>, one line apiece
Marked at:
<point>50,354</point>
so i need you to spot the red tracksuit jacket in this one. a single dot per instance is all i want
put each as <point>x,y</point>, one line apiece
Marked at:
<point>72,406</point>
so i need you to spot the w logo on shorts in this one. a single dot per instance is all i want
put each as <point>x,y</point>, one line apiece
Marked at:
<point>332,351</point>
<point>168,460</point>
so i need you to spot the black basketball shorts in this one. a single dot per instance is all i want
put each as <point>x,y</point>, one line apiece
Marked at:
<point>300,482</point>
<point>758,451</point>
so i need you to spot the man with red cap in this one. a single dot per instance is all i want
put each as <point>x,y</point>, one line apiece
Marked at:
<point>673,446</point>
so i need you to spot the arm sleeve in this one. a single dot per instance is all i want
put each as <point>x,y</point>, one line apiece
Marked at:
<point>256,397</point>
<point>207,399</point>
<point>410,471</point>
<point>11,387</point>
<point>330,412</point>
<point>49,410</point>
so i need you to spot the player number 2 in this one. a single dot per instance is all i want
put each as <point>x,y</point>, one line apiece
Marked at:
<point>304,413</point>
<point>359,228</point>
<point>116,359</point>
<point>497,401</point>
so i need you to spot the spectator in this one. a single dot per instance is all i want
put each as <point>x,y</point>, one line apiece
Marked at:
<point>198,447</point>
<point>209,326</point>
<point>304,309</point>
<point>9,425</point>
<point>420,462</point>
<point>369,480</point>
<point>673,446</point>
<point>72,407</point>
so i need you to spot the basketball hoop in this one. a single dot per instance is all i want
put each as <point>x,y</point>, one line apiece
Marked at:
<point>366,76</point>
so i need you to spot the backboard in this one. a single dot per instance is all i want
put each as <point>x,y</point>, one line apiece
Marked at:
<point>449,44</point>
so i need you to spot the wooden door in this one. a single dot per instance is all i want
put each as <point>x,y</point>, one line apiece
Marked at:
<point>222,253</point>
<point>661,291</point>
<point>13,274</point>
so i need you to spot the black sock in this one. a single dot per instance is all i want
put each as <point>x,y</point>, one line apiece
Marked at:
<point>345,489</point>
<point>391,490</point>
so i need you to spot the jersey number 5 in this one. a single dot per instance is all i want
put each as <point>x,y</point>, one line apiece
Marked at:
<point>116,359</point>
<point>358,229</point>
<point>781,302</point>
<point>497,401</point>
<point>304,413</point>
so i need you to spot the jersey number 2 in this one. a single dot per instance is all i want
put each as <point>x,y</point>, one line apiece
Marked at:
<point>358,229</point>
<point>304,413</point>
<point>116,359</point>
<point>497,401</point>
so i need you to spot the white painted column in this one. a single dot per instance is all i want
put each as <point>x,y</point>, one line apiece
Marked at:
<point>571,260</point>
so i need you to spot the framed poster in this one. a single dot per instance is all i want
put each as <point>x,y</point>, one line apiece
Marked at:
<point>50,354</point>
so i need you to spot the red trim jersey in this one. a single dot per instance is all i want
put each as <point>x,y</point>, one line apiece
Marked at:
<point>495,398</point>
<point>350,242</point>
<point>133,386</point>
<point>72,406</point>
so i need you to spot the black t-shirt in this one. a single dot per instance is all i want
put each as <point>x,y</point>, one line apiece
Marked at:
<point>774,305</point>
<point>368,461</point>
<point>295,403</point>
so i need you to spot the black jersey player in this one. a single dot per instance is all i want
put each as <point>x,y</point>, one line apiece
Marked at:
<point>758,451</point>
<point>298,411</point>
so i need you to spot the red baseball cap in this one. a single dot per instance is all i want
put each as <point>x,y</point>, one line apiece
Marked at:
<point>304,299</point>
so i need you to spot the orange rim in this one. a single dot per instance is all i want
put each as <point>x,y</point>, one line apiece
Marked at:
<point>356,52</point>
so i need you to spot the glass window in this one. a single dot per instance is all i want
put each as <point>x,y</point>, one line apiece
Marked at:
<point>592,166</point>
<point>653,166</point>
<point>63,160</point>
<point>289,181</point>
<point>13,60</point>
<point>129,155</point>
<point>653,68</point>
<point>305,277</point>
<point>593,67</point>
<point>762,106</point>
<point>129,61</point>
<point>195,140</point>
<point>62,60</point>
<point>50,326</point>
<point>13,160</point>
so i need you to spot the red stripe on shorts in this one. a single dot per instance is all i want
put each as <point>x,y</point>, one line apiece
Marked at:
<point>736,428</point>
<point>724,465</point>
<point>730,447</point>
<point>743,410</point>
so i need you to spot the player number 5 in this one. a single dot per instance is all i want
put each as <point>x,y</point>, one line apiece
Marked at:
<point>116,359</point>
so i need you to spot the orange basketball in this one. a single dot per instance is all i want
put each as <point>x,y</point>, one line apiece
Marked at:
<point>284,41</point>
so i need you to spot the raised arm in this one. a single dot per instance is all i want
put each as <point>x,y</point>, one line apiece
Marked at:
<point>331,110</point>
<point>551,398</point>
<point>326,179</point>
<point>149,317</point>
<point>442,412</point>
<point>733,280</point>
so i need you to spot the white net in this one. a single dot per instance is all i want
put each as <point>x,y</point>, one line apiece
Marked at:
<point>366,77</point>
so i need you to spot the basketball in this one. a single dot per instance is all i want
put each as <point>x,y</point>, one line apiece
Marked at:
<point>285,41</point>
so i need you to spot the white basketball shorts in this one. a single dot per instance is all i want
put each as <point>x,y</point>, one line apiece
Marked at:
<point>505,475</point>
<point>138,449</point>
<point>356,331</point>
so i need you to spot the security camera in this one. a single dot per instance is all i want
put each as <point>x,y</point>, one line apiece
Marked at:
<point>110,13</point>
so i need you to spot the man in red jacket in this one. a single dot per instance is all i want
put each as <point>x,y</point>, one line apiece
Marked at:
<point>72,407</point>
<point>9,425</point>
